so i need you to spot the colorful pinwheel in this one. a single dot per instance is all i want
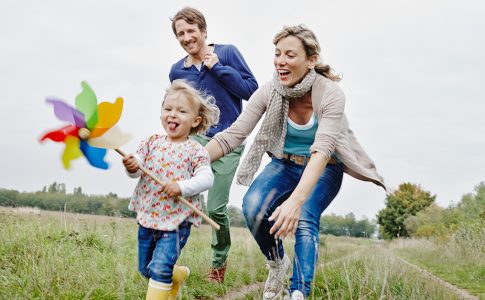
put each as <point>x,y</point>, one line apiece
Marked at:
<point>91,128</point>
<point>91,131</point>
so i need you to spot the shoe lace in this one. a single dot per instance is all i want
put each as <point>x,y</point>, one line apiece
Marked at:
<point>275,278</point>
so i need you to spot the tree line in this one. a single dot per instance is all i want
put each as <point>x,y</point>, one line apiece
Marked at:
<point>54,197</point>
<point>412,212</point>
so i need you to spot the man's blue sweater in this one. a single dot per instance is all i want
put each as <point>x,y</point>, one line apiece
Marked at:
<point>229,81</point>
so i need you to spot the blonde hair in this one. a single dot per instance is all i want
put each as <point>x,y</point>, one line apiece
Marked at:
<point>204,105</point>
<point>311,46</point>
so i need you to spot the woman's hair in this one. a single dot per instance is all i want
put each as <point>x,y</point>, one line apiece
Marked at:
<point>204,105</point>
<point>191,16</point>
<point>311,46</point>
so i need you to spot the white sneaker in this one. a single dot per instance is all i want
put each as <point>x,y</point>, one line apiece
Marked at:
<point>273,287</point>
<point>297,295</point>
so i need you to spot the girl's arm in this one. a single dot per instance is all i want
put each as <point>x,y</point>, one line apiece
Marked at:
<point>202,180</point>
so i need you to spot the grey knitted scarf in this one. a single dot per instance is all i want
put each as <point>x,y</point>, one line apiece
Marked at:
<point>271,137</point>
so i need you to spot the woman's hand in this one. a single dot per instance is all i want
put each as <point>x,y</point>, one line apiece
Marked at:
<point>131,163</point>
<point>172,189</point>
<point>286,217</point>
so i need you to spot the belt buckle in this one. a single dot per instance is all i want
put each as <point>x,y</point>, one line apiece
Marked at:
<point>299,160</point>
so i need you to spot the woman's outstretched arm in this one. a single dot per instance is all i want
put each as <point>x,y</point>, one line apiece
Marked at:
<point>214,149</point>
<point>286,215</point>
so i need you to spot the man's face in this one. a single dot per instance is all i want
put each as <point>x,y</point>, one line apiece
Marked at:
<point>190,37</point>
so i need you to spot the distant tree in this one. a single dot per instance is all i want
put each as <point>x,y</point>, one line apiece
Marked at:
<point>8,197</point>
<point>78,191</point>
<point>236,217</point>
<point>426,223</point>
<point>346,225</point>
<point>52,189</point>
<point>112,195</point>
<point>406,201</point>
<point>56,188</point>
<point>333,224</point>
<point>366,228</point>
<point>61,188</point>
<point>473,204</point>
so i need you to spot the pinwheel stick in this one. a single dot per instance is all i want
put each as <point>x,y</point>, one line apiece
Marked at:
<point>182,199</point>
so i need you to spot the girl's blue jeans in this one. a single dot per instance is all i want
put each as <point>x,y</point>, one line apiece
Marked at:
<point>271,188</point>
<point>158,251</point>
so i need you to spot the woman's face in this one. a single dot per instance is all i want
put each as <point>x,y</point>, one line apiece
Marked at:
<point>291,62</point>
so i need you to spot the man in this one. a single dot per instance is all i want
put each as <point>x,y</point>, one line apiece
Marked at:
<point>220,71</point>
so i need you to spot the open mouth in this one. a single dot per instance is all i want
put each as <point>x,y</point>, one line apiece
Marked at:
<point>172,125</point>
<point>283,73</point>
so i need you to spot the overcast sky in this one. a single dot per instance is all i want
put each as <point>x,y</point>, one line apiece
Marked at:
<point>413,78</point>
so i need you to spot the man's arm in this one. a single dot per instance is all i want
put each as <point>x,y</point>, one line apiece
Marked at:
<point>235,75</point>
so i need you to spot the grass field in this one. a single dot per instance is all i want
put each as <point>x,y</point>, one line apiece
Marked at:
<point>48,255</point>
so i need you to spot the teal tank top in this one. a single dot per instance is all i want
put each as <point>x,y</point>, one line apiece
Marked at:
<point>299,138</point>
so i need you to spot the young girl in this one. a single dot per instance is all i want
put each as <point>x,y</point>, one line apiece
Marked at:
<point>164,222</point>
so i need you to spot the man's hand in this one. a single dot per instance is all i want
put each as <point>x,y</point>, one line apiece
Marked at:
<point>210,59</point>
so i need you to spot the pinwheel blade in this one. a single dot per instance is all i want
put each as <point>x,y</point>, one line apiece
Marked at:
<point>86,102</point>
<point>108,115</point>
<point>60,135</point>
<point>112,139</point>
<point>95,156</point>
<point>65,112</point>
<point>71,151</point>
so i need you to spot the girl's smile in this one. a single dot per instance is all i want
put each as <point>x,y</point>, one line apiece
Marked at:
<point>178,117</point>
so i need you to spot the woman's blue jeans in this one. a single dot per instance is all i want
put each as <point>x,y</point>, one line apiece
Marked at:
<point>158,251</point>
<point>271,188</point>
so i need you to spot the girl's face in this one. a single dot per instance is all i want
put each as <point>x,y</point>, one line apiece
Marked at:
<point>178,117</point>
<point>291,61</point>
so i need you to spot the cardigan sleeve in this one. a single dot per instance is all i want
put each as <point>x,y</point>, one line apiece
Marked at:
<point>235,135</point>
<point>330,118</point>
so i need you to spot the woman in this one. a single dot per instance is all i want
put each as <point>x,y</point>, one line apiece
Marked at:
<point>306,133</point>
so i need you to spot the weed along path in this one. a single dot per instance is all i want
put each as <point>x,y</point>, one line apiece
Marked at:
<point>256,289</point>
<point>464,294</point>
<point>366,271</point>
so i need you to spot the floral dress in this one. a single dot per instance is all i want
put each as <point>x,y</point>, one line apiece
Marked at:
<point>170,162</point>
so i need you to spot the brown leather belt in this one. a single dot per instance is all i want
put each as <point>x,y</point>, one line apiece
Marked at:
<point>302,160</point>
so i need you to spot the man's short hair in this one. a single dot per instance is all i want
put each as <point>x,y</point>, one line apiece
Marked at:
<point>191,16</point>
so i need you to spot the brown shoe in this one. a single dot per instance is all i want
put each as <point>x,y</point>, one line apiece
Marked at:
<point>216,275</point>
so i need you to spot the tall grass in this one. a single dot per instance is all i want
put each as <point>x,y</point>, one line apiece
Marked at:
<point>459,260</point>
<point>65,256</point>
<point>47,255</point>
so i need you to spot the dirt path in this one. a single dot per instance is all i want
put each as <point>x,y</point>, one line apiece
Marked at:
<point>460,292</point>
<point>241,292</point>
<point>249,289</point>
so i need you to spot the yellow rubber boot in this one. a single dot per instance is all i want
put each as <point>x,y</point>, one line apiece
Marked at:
<point>180,274</point>
<point>158,290</point>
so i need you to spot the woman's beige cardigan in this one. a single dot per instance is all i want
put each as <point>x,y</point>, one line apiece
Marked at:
<point>333,134</point>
